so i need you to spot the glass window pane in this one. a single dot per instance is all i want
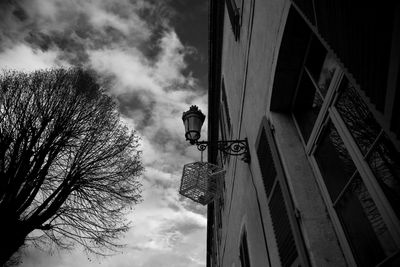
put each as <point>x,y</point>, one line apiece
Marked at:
<point>307,106</point>
<point>316,57</point>
<point>328,70</point>
<point>357,117</point>
<point>334,161</point>
<point>384,161</point>
<point>394,262</point>
<point>363,225</point>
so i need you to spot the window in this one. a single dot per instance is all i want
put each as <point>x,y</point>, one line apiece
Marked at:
<point>356,164</point>
<point>244,251</point>
<point>234,17</point>
<point>367,232</point>
<point>314,83</point>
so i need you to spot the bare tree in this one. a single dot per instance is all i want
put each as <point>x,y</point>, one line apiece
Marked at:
<point>68,168</point>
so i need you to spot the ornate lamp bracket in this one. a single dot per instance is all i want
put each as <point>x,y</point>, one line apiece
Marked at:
<point>193,120</point>
<point>229,147</point>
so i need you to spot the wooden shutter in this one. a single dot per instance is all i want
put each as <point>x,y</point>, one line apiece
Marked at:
<point>287,232</point>
<point>282,229</point>
<point>267,166</point>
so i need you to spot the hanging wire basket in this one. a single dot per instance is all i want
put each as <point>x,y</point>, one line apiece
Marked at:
<point>201,181</point>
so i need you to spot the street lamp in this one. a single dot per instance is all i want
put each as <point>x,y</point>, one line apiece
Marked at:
<point>193,119</point>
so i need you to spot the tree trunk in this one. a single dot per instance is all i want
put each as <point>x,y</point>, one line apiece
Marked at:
<point>12,237</point>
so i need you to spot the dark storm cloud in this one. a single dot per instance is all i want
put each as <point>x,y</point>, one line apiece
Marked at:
<point>9,12</point>
<point>150,48</point>
<point>82,29</point>
<point>163,136</point>
<point>73,48</point>
<point>140,101</point>
<point>193,12</point>
<point>18,26</point>
<point>158,14</point>
<point>20,13</point>
<point>39,40</point>
<point>72,29</point>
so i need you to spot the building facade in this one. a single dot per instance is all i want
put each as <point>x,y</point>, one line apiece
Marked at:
<point>314,87</point>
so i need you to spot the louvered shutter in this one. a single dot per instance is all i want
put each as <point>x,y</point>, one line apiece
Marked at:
<point>282,229</point>
<point>287,233</point>
<point>267,166</point>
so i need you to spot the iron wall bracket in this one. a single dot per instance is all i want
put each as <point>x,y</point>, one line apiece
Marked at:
<point>229,147</point>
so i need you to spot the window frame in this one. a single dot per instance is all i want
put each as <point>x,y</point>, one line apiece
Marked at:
<point>235,17</point>
<point>329,113</point>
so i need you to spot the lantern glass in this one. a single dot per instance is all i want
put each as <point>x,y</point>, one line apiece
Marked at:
<point>193,120</point>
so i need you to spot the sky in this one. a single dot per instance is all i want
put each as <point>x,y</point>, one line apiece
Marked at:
<point>152,57</point>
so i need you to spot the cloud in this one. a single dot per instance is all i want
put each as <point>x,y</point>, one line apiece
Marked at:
<point>167,230</point>
<point>171,63</point>
<point>25,58</point>
<point>176,260</point>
